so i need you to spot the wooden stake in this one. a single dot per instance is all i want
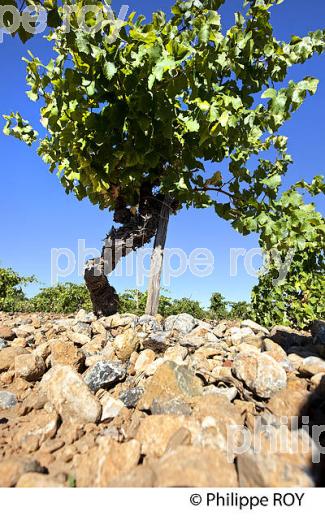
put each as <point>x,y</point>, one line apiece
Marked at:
<point>157,259</point>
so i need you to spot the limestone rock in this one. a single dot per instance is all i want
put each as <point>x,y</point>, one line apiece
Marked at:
<point>155,432</point>
<point>110,407</point>
<point>7,333</point>
<point>290,401</point>
<point>70,396</point>
<point>66,353</point>
<point>157,341</point>
<point>255,327</point>
<point>106,462</point>
<point>78,338</point>
<point>274,350</point>
<point>29,367</point>
<point>183,323</point>
<point>146,357</point>
<point>312,365</point>
<point>125,344</point>
<point>261,373</point>
<point>282,460</point>
<point>37,480</point>
<point>170,380</point>
<point>13,468</point>
<point>189,466</point>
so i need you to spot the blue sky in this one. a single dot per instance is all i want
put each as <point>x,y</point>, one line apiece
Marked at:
<point>36,215</point>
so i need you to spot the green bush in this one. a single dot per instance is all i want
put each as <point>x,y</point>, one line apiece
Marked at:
<point>299,299</point>
<point>218,307</point>
<point>187,305</point>
<point>12,296</point>
<point>240,311</point>
<point>63,298</point>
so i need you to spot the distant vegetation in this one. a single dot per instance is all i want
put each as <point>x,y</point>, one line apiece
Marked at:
<point>297,302</point>
<point>69,297</point>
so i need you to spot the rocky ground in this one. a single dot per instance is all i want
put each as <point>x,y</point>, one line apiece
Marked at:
<point>126,401</point>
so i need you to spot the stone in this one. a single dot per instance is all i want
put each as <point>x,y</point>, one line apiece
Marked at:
<point>255,327</point>
<point>70,396</point>
<point>155,432</point>
<point>24,331</point>
<point>281,459</point>
<point>219,408</point>
<point>82,328</point>
<point>98,328</point>
<point>119,320</point>
<point>289,401</point>
<point>237,335</point>
<point>3,344</point>
<point>125,344</point>
<point>146,357</point>
<point>157,341</point>
<point>7,333</point>
<point>149,323</point>
<point>318,382</point>
<point>7,357</point>
<point>170,407</point>
<point>110,407</point>
<point>170,380</point>
<point>104,374</point>
<point>176,354</point>
<point>189,466</point>
<point>312,365</point>
<point>247,347</point>
<point>95,346</point>
<point>153,367</point>
<point>12,468</point>
<point>7,400</point>
<point>85,317</point>
<point>139,477</point>
<point>37,480</point>
<point>317,330</point>
<point>286,336</point>
<point>78,339</point>
<point>183,323</point>
<point>199,336</point>
<point>260,373</point>
<point>66,353</point>
<point>220,329</point>
<point>255,341</point>
<point>274,350</point>
<point>29,367</point>
<point>229,392</point>
<point>43,350</point>
<point>107,461</point>
<point>40,426</point>
<point>131,396</point>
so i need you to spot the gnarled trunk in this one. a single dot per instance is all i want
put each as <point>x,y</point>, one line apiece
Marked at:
<point>135,231</point>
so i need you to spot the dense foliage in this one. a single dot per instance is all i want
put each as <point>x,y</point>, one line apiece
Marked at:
<point>299,299</point>
<point>12,297</point>
<point>163,98</point>
<point>62,298</point>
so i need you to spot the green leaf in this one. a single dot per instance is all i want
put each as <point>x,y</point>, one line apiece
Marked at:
<point>109,70</point>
